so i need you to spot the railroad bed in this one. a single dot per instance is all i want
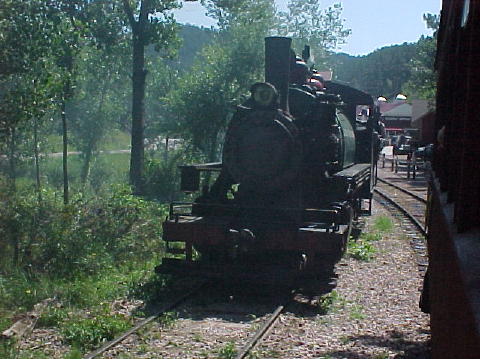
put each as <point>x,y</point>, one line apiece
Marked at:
<point>372,312</point>
<point>417,185</point>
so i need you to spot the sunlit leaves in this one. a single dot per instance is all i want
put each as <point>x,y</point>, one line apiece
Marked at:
<point>308,23</point>
<point>220,79</point>
<point>423,81</point>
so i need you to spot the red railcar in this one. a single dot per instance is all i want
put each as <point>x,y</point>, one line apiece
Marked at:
<point>454,206</point>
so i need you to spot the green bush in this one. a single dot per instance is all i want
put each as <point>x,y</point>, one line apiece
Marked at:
<point>87,333</point>
<point>85,237</point>
<point>52,317</point>
<point>162,177</point>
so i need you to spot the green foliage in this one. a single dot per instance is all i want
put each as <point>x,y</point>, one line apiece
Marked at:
<point>168,319</point>
<point>8,349</point>
<point>52,317</point>
<point>383,224</point>
<point>380,73</point>
<point>423,82</point>
<point>149,289</point>
<point>74,353</point>
<point>100,98</point>
<point>361,249</point>
<point>330,301</point>
<point>87,333</point>
<point>162,177</point>
<point>307,23</point>
<point>82,238</point>
<point>356,312</point>
<point>228,351</point>
<point>384,355</point>
<point>201,104</point>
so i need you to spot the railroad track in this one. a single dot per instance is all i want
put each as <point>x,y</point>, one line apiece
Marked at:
<point>410,209</point>
<point>168,307</point>
<point>242,351</point>
<point>409,203</point>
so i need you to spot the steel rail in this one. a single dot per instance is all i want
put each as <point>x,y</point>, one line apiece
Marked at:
<point>415,221</point>
<point>261,333</point>
<point>417,197</point>
<point>142,323</point>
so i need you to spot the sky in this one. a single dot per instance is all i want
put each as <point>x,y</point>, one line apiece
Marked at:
<point>374,23</point>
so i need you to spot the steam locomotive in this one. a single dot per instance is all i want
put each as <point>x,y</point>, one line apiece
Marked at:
<point>298,168</point>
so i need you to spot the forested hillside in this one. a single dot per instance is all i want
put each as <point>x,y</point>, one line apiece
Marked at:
<point>380,73</point>
<point>193,39</point>
<point>383,72</point>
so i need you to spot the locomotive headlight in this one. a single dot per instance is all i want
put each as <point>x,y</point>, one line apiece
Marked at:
<point>264,94</point>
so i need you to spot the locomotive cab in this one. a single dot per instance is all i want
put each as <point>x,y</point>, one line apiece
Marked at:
<point>296,170</point>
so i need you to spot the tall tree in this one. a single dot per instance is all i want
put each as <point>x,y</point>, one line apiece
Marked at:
<point>423,82</point>
<point>308,23</point>
<point>150,24</point>
<point>220,79</point>
<point>100,98</point>
<point>29,80</point>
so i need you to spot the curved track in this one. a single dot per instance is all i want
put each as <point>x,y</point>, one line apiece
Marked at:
<point>398,199</point>
<point>409,203</point>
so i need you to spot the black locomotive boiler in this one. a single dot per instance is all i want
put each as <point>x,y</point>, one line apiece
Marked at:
<point>298,167</point>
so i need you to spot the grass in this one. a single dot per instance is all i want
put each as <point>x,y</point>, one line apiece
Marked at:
<point>116,140</point>
<point>168,319</point>
<point>228,351</point>
<point>356,312</point>
<point>87,333</point>
<point>383,224</point>
<point>330,302</point>
<point>361,249</point>
<point>107,169</point>
<point>19,292</point>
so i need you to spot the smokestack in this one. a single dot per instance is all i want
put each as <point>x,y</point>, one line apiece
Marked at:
<point>277,66</point>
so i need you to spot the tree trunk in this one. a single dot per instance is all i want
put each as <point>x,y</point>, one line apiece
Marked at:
<point>12,161</point>
<point>13,175</point>
<point>37,161</point>
<point>86,164</point>
<point>65,148</point>
<point>138,111</point>
<point>93,142</point>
